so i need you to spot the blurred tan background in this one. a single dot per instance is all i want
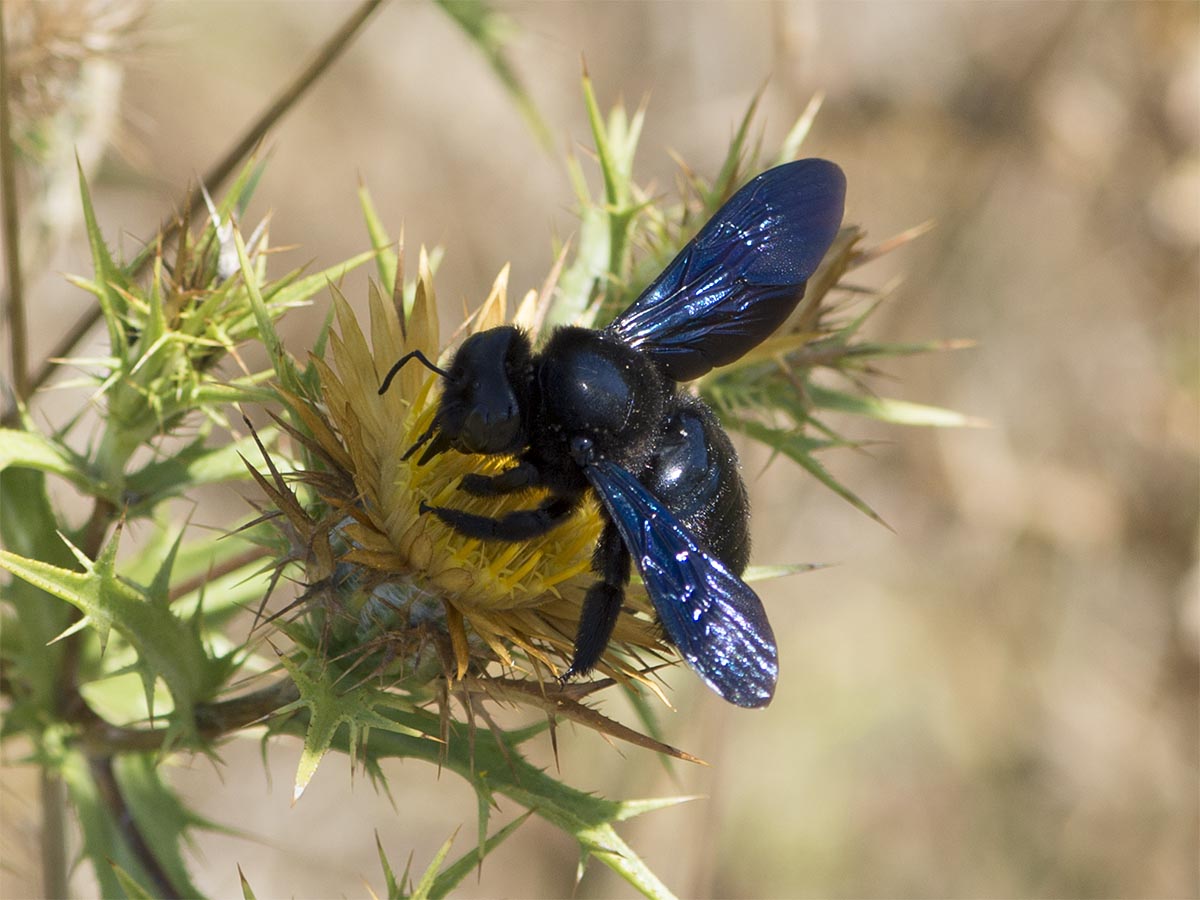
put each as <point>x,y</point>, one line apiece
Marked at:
<point>997,699</point>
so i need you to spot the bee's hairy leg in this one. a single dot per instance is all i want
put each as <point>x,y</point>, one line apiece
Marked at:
<point>514,526</point>
<point>602,604</point>
<point>523,476</point>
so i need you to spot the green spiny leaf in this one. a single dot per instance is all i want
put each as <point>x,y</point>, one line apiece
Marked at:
<point>500,768</point>
<point>154,323</point>
<point>483,805</point>
<point>389,877</point>
<point>102,835</point>
<point>589,265</point>
<point>239,193</point>
<point>240,390</point>
<point>162,818</point>
<point>452,875</point>
<point>285,366</point>
<point>28,449</point>
<point>322,340</point>
<point>871,349</point>
<point>247,891</point>
<point>601,841</point>
<point>329,709</point>
<point>790,148</point>
<point>615,186</point>
<point>799,448</point>
<point>28,527</point>
<point>899,412</point>
<point>167,646</point>
<point>81,589</point>
<point>602,254</point>
<point>386,258</point>
<point>423,888</point>
<point>728,178</point>
<point>632,808</point>
<point>299,291</point>
<point>129,884</point>
<point>159,589</point>
<point>108,275</point>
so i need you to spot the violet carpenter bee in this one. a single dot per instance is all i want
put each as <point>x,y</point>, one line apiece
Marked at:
<point>602,410</point>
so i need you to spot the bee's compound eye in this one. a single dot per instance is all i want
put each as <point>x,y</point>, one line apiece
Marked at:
<point>582,449</point>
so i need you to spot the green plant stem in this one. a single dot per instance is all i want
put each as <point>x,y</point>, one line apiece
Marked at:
<point>214,178</point>
<point>18,338</point>
<point>70,704</point>
<point>101,768</point>
<point>102,742</point>
<point>54,833</point>
<point>213,720</point>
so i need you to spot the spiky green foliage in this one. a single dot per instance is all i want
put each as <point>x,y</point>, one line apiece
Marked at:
<point>101,652</point>
<point>491,760</point>
<point>816,364</point>
<point>114,661</point>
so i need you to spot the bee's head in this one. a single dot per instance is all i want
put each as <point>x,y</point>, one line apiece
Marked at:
<point>486,395</point>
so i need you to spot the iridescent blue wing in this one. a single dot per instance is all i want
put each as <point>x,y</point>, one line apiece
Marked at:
<point>742,275</point>
<point>712,616</point>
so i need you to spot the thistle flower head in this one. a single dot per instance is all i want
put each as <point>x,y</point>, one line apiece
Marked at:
<point>406,577</point>
<point>515,603</point>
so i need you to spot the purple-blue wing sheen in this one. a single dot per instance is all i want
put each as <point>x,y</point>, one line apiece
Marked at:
<point>713,617</point>
<point>743,273</point>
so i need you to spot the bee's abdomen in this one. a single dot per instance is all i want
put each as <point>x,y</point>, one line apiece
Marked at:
<point>694,471</point>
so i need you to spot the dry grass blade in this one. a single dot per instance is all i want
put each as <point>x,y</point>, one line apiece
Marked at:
<point>17,332</point>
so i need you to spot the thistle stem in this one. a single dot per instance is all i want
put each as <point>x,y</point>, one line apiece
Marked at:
<point>213,720</point>
<point>54,834</point>
<point>110,790</point>
<point>53,795</point>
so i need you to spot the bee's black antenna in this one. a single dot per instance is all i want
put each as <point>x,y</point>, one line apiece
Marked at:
<point>417,355</point>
